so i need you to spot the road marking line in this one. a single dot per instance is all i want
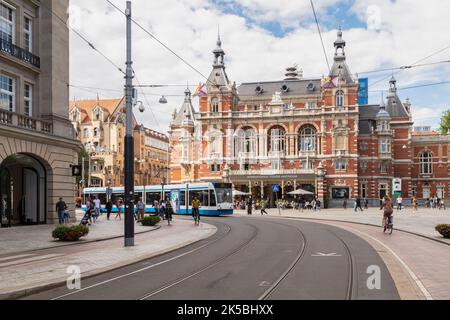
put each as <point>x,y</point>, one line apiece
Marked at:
<point>320,254</point>
<point>419,283</point>
<point>16,257</point>
<point>21,261</point>
<point>130,273</point>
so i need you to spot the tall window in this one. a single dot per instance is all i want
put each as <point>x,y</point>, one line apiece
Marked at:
<point>385,146</point>
<point>95,132</point>
<point>308,139</point>
<point>246,140</point>
<point>384,167</point>
<point>339,99</point>
<point>28,34</point>
<point>28,99</point>
<point>215,105</point>
<point>426,162</point>
<point>341,165</point>
<point>7,23</point>
<point>7,93</point>
<point>276,139</point>
<point>86,133</point>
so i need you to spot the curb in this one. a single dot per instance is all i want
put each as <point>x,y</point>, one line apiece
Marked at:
<point>30,291</point>
<point>371,225</point>
<point>82,242</point>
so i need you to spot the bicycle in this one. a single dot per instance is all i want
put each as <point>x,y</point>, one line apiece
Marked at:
<point>389,224</point>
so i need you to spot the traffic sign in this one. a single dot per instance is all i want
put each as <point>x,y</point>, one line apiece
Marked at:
<point>276,188</point>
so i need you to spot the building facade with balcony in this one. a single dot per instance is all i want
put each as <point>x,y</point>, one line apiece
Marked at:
<point>100,127</point>
<point>37,140</point>
<point>297,133</point>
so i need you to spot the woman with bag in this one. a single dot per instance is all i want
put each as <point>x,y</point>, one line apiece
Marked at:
<point>388,211</point>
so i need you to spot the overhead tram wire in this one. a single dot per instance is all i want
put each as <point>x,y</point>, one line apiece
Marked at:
<point>320,34</point>
<point>413,64</point>
<point>162,44</point>
<point>147,101</point>
<point>90,44</point>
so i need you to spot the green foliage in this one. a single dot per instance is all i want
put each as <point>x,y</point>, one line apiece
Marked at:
<point>74,233</point>
<point>444,230</point>
<point>445,123</point>
<point>150,221</point>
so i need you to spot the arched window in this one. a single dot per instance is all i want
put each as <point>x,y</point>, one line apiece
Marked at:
<point>307,139</point>
<point>339,99</point>
<point>426,162</point>
<point>276,139</point>
<point>246,140</point>
<point>215,105</point>
<point>86,133</point>
<point>95,132</point>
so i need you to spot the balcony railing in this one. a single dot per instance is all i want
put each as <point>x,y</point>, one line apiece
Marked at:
<point>21,121</point>
<point>19,53</point>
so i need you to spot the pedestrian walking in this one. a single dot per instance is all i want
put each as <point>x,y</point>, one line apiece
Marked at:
<point>140,210</point>
<point>249,206</point>
<point>358,204</point>
<point>119,205</point>
<point>399,203</point>
<point>169,211</point>
<point>97,208</point>
<point>366,204</point>
<point>61,208</point>
<point>108,208</point>
<point>414,203</point>
<point>318,204</point>
<point>263,207</point>
<point>345,204</point>
<point>162,210</point>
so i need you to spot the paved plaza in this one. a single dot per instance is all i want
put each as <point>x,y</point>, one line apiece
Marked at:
<point>422,222</point>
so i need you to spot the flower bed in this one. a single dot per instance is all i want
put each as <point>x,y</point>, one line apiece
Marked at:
<point>74,233</point>
<point>444,230</point>
<point>150,221</point>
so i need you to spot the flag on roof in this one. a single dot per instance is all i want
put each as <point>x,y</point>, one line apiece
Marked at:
<point>330,83</point>
<point>201,91</point>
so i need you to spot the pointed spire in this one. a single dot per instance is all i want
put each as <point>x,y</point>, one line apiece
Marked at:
<point>383,114</point>
<point>218,52</point>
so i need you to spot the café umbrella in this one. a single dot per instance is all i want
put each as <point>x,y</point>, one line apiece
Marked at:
<point>300,192</point>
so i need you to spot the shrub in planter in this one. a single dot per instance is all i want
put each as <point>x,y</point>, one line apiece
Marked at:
<point>150,221</point>
<point>444,230</point>
<point>74,233</point>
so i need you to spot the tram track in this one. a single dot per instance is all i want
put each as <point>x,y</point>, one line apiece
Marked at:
<point>207,267</point>
<point>209,243</point>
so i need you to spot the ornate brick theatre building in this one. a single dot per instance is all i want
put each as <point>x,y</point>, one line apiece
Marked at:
<point>310,134</point>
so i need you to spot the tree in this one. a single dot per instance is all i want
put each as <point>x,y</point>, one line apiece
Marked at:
<point>445,123</point>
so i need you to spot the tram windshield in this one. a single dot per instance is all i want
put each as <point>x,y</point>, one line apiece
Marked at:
<point>224,195</point>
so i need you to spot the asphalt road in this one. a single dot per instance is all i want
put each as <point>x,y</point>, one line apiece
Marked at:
<point>248,258</point>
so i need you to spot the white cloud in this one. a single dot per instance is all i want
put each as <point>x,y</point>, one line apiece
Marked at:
<point>407,32</point>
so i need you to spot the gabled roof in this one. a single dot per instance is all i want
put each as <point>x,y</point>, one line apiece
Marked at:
<point>186,110</point>
<point>108,105</point>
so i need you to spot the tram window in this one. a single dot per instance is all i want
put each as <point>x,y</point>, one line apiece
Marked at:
<point>202,196</point>
<point>212,198</point>
<point>116,196</point>
<point>137,196</point>
<point>182,198</point>
<point>102,197</point>
<point>151,197</point>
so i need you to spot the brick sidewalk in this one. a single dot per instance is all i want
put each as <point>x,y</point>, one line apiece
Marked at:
<point>27,272</point>
<point>422,222</point>
<point>29,238</point>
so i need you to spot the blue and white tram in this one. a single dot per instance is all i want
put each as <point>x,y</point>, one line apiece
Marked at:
<point>216,198</point>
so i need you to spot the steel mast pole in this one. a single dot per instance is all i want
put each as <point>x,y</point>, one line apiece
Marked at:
<point>129,142</point>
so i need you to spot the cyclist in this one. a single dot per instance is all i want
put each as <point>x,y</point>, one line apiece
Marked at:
<point>196,210</point>
<point>387,213</point>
